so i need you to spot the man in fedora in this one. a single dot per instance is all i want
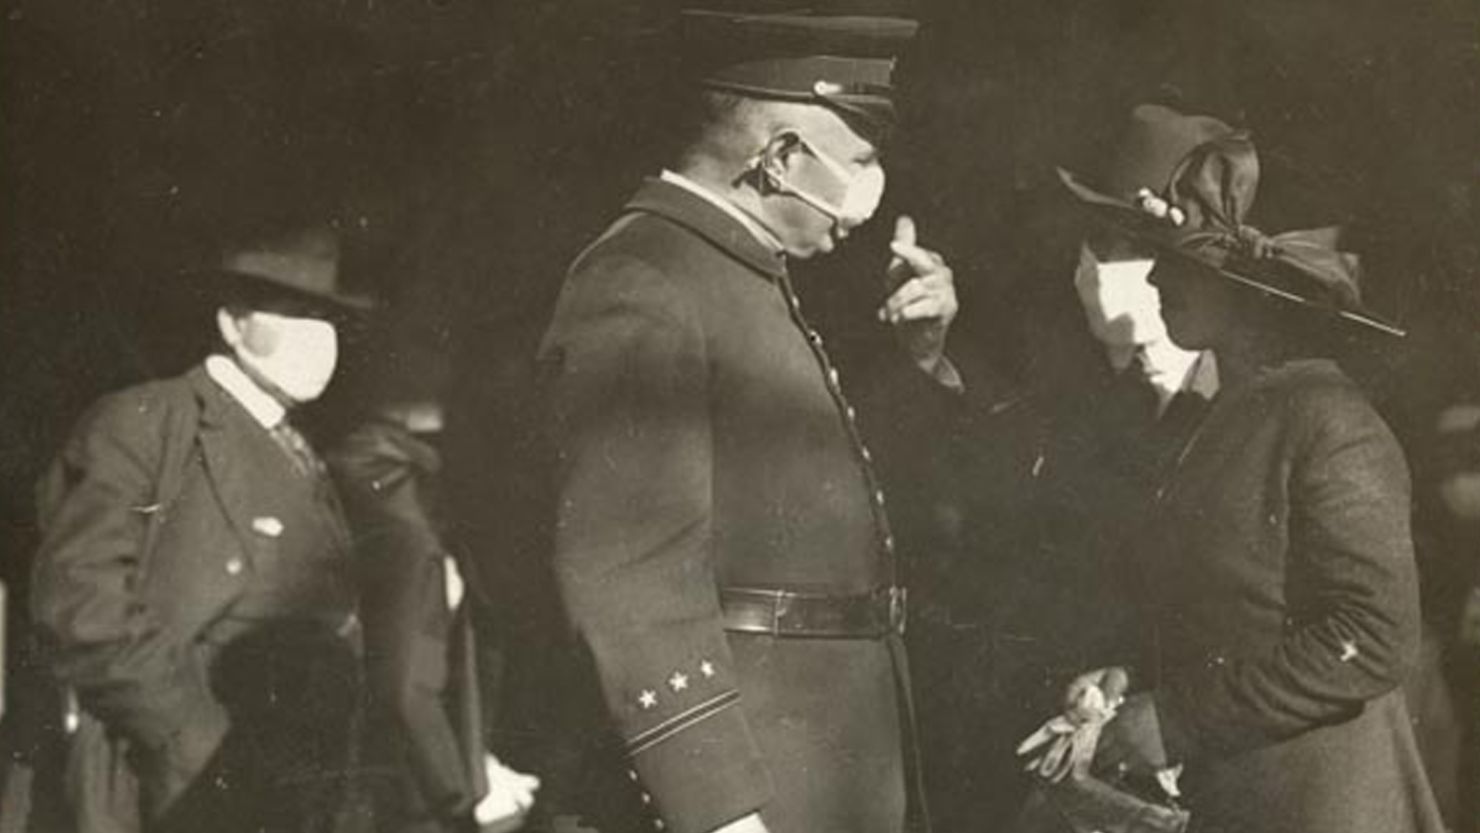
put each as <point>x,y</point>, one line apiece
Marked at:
<point>193,577</point>
<point>722,543</point>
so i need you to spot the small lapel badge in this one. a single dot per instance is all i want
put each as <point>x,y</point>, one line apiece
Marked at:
<point>267,525</point>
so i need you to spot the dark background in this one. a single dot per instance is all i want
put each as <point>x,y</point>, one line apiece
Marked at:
<point>468,150</point>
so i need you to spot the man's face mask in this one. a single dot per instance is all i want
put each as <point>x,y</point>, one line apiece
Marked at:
<point>294,356</point>
<point>862,191</point>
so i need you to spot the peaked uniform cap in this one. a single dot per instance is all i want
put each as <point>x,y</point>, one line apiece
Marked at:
<point>840,57</point>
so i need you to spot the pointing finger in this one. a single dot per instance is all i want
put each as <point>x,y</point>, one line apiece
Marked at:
<point>921,260</point>
<point>904,230</point>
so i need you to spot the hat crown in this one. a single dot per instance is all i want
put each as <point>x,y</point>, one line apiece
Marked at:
<point>307,262</point>
<point>1157,141</point>
<point>300,264</point>
<point>841,56</point>
<point>1216,183</point>
<point>1215,188</point>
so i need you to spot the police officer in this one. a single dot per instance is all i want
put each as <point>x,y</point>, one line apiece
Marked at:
<point>722,544</point>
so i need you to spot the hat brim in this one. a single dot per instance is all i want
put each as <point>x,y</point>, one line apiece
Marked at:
<point>336,303</point>
<point>1128,219</point>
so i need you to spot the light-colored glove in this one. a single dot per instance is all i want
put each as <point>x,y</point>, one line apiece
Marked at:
<point>1067,742</point>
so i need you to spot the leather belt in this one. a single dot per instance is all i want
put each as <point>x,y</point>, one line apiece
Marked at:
<point>783,613</point>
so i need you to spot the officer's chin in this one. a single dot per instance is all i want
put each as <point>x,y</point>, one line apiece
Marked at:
<point>838,233</point>
<point>802,249</point>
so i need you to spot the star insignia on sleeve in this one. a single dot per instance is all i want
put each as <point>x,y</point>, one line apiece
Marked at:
<point>678,682</point>
<point>1348,650</point>
<point>706,668</point>
<point>648,699</point>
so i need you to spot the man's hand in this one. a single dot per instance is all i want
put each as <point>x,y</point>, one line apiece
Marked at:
<point>924,300</point>
<point>748,824</point>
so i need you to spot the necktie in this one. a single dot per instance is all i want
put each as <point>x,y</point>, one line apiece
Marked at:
<point>292,442</point>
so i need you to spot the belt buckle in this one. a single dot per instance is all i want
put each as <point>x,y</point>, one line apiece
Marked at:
<point>898,609</point>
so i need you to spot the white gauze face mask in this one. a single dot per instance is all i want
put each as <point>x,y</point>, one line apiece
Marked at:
<point>1124,314</point>
<point>1121,305</point>
<point>298,355</point>
<point>863,191</point>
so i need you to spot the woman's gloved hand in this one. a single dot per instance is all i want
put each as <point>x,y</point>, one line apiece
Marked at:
<point>1068,742</point>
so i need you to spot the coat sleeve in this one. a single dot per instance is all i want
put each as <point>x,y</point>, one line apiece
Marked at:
<point>628,375</point>
<point>97,502</point>
<point>1351,588</point>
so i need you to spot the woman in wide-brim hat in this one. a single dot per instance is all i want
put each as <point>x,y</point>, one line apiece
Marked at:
<point>1277,576</point>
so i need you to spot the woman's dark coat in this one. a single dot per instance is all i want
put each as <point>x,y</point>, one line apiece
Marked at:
<point>1279,581</point>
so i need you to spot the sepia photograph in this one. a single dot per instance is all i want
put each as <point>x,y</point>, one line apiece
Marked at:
<point>739,416</point>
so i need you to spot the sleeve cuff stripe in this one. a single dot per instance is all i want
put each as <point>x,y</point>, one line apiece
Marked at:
<point>681,721</point>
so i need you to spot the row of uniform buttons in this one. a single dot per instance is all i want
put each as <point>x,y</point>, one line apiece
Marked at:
<point>647,800</point>
<point>850,420</point>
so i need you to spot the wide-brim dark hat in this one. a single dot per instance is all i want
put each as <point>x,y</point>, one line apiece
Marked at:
<point>301,268</point>
<point>840,55</point>
<point>1199,213</point>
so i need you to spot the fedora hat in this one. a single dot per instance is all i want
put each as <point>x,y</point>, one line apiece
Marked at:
<point>1199,212</point>
<point>300,267</point>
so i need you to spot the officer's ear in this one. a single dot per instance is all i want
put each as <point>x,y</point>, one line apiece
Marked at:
<point>773,164</point>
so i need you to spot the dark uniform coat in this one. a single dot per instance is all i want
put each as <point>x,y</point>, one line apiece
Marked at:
<point>703,443</point>
<point>1279,578</point>
<point>155,517</point>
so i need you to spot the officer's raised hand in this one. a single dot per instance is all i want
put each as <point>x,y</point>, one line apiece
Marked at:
<point>923,303</point>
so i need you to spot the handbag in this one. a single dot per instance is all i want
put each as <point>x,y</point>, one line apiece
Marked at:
<point>1083,803</point>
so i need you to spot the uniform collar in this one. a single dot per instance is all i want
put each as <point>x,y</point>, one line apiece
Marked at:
<point>711,217</point>
<point>265,410</point>
<point>761,233</point>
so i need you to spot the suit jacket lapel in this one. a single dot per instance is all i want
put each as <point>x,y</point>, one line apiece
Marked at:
<point>225,463</point>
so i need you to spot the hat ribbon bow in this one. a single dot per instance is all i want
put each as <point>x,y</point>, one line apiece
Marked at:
<point>1210,194</point>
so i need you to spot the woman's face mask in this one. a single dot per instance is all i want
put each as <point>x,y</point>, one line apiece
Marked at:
<point>1122,307</point>
<point>1124,314</point>
<point>294,357</point>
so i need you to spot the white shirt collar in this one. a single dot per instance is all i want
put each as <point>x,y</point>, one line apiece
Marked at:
<point>1203,380</point>
<point>759,231</point>
<point>267,411</point>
